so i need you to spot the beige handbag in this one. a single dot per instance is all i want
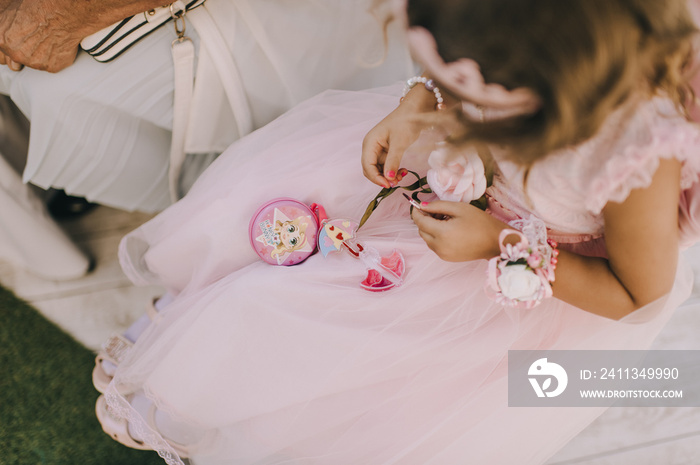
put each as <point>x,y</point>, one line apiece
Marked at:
<point>109,43</point>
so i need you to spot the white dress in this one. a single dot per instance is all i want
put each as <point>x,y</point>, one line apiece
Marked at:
<point>103,130</point>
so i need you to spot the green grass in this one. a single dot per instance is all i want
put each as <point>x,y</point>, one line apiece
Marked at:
<point>47,400</point>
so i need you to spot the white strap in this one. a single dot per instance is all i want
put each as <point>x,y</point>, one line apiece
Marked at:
<point>183,62</point>
<point>262,39</point>
<point>213,41</point>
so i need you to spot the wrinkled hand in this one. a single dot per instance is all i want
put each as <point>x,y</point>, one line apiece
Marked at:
<point>41,34</point>
<point>458,231</point>
<point>46,34</point>
<point>5,60</point>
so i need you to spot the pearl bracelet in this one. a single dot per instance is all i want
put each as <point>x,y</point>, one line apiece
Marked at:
<point>429,85</point>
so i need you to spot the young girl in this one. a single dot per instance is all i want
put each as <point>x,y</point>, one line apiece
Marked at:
<point>575,106</point>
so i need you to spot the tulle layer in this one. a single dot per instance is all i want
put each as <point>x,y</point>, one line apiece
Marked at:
<point>299,365</point>
<point>287,158</point>
<point>277,365</point>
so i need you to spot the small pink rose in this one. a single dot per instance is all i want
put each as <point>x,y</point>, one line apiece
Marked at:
<point>534,260</point>
<point>456,176</point>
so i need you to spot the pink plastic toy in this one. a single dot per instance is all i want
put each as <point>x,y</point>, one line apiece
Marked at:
<point>284,231</point>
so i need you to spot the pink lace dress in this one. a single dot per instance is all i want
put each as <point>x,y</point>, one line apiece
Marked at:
<point>299,365</point>
<point>569,189</point>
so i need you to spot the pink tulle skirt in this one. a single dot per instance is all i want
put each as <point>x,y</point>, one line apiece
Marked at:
<point>299,365</point>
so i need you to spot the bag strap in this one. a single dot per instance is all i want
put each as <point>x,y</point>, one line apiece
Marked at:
<point>261,37</point>
<point>211,39</point>
<point>183,61</point>
<point>183,64</point>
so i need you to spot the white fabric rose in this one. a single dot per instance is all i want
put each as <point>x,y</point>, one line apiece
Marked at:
<point>517,282</point>
<point>456,177</point>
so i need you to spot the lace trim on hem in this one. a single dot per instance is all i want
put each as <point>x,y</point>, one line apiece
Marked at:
<point>121,408</point>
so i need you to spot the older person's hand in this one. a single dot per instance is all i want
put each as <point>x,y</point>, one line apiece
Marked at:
<point>40,34</point>
<point>46,34</point>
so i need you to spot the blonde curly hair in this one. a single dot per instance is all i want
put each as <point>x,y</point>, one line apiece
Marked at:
<point>584,58</point>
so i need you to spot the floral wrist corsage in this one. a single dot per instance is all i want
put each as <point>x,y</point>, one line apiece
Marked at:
<point>522,275</point>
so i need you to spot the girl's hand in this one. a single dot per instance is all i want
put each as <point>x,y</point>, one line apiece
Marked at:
<point>384,145</point>
<point>458,231</point>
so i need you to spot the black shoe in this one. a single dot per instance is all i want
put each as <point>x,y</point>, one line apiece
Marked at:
<point>63,206</point>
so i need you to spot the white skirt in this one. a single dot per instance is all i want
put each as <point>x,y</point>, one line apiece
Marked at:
<point>103,130</point>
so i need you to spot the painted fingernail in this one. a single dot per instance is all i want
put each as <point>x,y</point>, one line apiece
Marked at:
<point>391,174</point>
<point>424,204</point>
<point>403,172</point>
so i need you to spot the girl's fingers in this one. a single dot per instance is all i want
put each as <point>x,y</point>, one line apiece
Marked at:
<point>432,217</point>
<point>427,224</point>
<point>397,147</point>
<point>373,173</point>
<point>443,207</point>
<point>373,154</point>
<point>400,174</point>
<point>429,239</point>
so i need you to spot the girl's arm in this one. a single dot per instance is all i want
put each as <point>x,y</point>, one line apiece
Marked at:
<point>641,237</point>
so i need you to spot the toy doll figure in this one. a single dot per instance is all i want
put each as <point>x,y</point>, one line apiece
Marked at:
<point>285,236</point>
<point>292,236</point>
